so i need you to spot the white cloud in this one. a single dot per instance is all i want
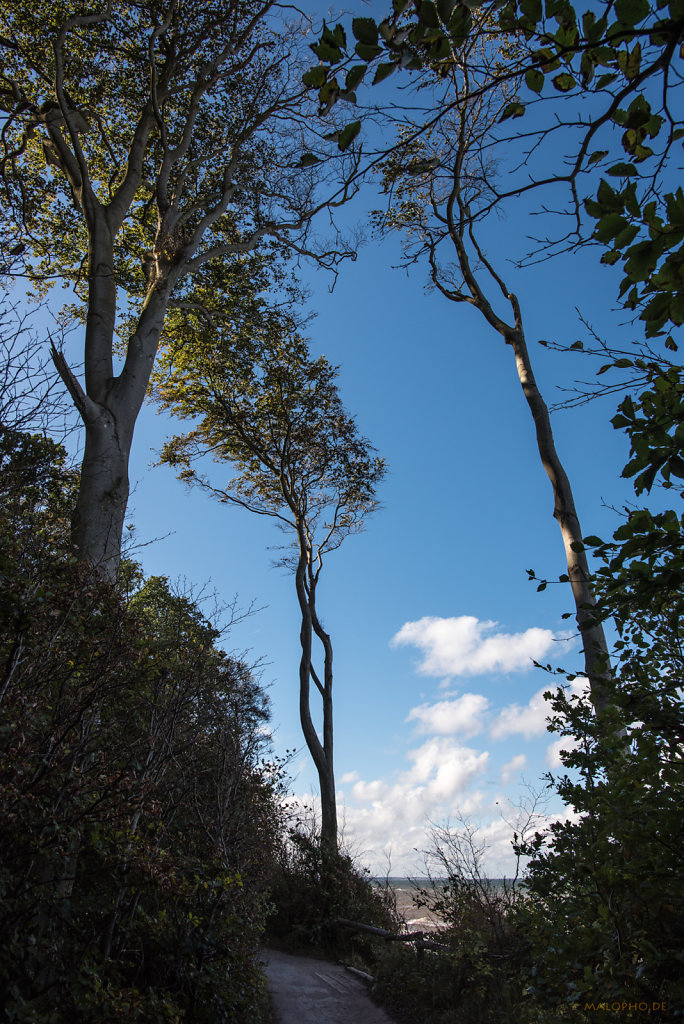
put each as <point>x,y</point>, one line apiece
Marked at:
<point>465,715</point>
<point>528,721</point>
<point>349,777</point>
<point>444,768</point>
<point>465,646</point>
<point>553,750</point>
<point>513,768</point>
<point>369,790</point>
<point>394,815</point>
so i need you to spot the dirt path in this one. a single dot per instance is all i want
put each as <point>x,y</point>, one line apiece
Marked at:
<point>306,991</point>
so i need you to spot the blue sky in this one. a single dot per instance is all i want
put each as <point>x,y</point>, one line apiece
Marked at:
<point>438,710</point>
<point>437,707</point>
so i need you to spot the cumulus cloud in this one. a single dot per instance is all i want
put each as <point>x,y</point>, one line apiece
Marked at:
<point>513,768</point>
<point>465,715</point>
<point>528,720</point>
<point>465,646</point>
<point>440,779</point>
<point>444,768</point>
<point>553,750</point>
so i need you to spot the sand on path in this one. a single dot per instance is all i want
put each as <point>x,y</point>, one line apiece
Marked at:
<point>306,991</point>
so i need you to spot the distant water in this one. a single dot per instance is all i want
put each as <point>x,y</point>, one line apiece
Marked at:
<point>406,889</point>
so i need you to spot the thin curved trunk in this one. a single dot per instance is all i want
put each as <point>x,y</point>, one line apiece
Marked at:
<point>595,648</point>
<point>322,754</point>
<point>596,656</point>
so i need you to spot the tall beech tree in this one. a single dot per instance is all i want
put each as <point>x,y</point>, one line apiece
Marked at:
<point>438,185</point>
<point>273,414</point>
<point>141,142</point>
<point>615,73</point>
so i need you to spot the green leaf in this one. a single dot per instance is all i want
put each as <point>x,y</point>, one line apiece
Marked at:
<point>365,30</point>
<point>623,170</point>
<point>676,465</point>
<point>597,155</point>
<point>383,72</point>
<point>348,134</point>
<point>308,160</point>
<point>609,226</point>
<point>355,76</point>
<point>514,109</point>
<point>367,52</point>
<point>325,52</point>
<point>608,197</point>
<point>631,12</point>
<point>564,82</point>
<point>334,37</point>
<point>460,24</point>
<point>427,14</point>
<point>532,9</point>
<point>592,540</point>
<point>577,546</point>
<point>328,94</point>
<point>315,77</point>
<point>534,79</point>
<point>626,236</point>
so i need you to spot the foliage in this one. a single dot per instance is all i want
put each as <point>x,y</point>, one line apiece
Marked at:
<point>312,887</point>
<point>606,885</point>
<point>272,412</point>
<point>141,144</point>
<point>621,62</point>
<point>480,974</point>
<point>273,415</point>
<point>136,815</point>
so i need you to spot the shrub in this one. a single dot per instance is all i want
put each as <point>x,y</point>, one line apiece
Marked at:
<point>312,887</point>
<point>136,816</point>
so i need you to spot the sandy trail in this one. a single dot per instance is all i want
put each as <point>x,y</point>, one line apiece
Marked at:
<point>306,991</point>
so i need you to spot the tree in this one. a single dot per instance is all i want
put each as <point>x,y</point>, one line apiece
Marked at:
<point>605,886</point>
<point>141,144</point>
<point>138,820</point>
<point>471,67</point>
<point>29,387</point>
<point>617,83</point>
<point>274,415</point>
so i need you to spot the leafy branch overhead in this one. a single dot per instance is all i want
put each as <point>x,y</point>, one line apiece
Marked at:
<point>622,62</point>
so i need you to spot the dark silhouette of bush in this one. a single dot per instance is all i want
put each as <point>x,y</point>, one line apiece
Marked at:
<point>136,817</point>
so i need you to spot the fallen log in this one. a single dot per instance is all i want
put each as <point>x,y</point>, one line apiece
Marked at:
<point>417,937</point>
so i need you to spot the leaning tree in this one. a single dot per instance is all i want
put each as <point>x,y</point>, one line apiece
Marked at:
<point>272,413</point>
<point>142,142</point>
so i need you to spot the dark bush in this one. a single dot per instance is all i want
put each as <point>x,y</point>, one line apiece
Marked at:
<point>312,888</point>
<point>136,819</point>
